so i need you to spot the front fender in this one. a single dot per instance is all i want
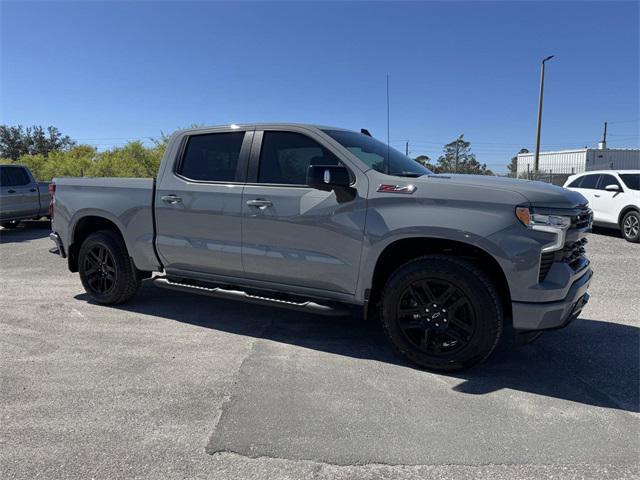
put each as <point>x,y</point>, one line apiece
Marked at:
<point>492,228</point>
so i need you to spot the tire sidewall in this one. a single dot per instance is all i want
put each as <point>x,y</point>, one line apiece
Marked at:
<point>483,302</point>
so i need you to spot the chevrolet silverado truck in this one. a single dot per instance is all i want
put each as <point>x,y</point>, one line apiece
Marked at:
<point>328,220</point>
<point>21,196</point>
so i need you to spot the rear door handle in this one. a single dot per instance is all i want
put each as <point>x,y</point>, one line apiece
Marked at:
<point>32,189</point>
<point>260,203</point>
<point>596,195</point>
<point>11,191</point>
<point>171,199</point>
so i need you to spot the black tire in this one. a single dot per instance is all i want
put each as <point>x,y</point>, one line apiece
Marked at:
<point>106,271</point>
<point>630,227</point>
<point>10,224</point>
<point>441,312</point>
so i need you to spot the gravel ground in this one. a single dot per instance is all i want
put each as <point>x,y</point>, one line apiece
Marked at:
<point>180,386</point>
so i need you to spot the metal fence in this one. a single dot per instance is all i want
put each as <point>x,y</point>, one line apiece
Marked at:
<point>546,176</point>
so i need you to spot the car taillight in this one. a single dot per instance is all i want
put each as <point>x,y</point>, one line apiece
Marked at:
<point>52,198</point>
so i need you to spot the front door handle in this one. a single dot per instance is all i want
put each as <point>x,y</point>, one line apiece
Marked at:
<point>596,195</point>
<point>32,189</point>
<point>171,199</point>
<point>11,191</point>
<point>260,203</point>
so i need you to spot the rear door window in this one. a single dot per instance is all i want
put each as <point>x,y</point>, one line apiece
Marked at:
<point>589,181</point>
<point>14,177</point>
<point>576,183</point>
<point>212,157</point>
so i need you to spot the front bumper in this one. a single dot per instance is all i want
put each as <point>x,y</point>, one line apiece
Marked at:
<point>552,315</point>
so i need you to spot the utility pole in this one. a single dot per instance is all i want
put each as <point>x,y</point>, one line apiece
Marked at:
<point>603,143</point>
<point>537,157</point>
<point>406,148</point>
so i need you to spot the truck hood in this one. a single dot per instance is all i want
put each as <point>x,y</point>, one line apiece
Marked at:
<point>537,193</point>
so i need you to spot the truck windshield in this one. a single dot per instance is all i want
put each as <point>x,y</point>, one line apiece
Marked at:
<point>378,155</point>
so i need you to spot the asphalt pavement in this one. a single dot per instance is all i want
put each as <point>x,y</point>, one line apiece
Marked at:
<point>173,385</point>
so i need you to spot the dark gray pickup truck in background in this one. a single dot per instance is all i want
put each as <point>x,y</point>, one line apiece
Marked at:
<point>326,220</point>
<point>21,196</point>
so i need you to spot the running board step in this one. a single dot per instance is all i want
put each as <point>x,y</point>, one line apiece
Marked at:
<point>219,292</point>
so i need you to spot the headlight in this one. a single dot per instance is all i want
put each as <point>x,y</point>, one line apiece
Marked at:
<point>557,224</point>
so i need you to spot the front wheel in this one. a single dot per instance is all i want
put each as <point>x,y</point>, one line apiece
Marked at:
<point>631,227</point>
<point>441,312</point>
<point>106,271</point>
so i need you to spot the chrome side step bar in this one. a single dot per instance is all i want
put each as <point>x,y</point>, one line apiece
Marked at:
<point>219,292</point>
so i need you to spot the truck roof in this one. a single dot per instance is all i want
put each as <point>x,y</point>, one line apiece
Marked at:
<point>234,126</point>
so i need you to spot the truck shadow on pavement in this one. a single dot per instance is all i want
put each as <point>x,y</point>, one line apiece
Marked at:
<point>27,230</point>
<point>592,362</point>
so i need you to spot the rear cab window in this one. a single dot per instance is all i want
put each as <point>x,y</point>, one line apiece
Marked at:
<point>211,157</point>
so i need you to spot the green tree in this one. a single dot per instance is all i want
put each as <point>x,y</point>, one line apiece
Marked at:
<point>513,165</point>
<point>425,161</point>
<point>75,162</point>
<point>458,158</point>
<point>16,141</point>
<point>131,160</point>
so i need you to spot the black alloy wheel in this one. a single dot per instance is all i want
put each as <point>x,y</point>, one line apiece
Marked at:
<point>436,316</point>
<point>100,269</point>
<point>106,269</point>
<point>442,312</point>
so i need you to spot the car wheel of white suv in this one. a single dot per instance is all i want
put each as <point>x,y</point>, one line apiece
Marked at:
<point>631,227</point>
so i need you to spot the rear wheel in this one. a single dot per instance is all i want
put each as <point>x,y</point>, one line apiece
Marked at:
<point>106,271</point>
<point>441,312</point>
<point>631,227</point>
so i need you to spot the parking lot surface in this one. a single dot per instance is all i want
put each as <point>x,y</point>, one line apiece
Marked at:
<point>182,386</point>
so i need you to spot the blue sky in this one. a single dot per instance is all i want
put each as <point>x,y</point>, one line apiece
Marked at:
<point>105,72</point>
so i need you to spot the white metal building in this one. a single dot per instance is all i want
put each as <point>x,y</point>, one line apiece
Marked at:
<point>567,162</point>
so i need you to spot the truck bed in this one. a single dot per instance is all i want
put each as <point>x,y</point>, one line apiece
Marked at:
<point>127,202</point>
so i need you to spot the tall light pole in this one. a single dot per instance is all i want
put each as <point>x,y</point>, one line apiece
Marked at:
<point>537,157</point>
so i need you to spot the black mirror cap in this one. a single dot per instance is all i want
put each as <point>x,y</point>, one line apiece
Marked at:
<point>328,177</point>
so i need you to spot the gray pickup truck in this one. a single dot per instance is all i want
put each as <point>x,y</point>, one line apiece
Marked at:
<point>21,196</point>
<point>327,220</point>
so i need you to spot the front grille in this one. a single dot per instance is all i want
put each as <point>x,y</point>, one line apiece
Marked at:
<point>582,219</point>
<point>573,253</point>
<point>546,260</point>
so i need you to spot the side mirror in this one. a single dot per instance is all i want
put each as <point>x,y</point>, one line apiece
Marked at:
<point>328,177</point>
<point>612,188</point>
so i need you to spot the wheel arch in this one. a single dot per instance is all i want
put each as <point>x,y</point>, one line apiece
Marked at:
<point>624,211</point>
<point>403,250</point>
<point>85,226</point>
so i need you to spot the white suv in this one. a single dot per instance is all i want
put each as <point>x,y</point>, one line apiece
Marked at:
<point>614,197</point>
